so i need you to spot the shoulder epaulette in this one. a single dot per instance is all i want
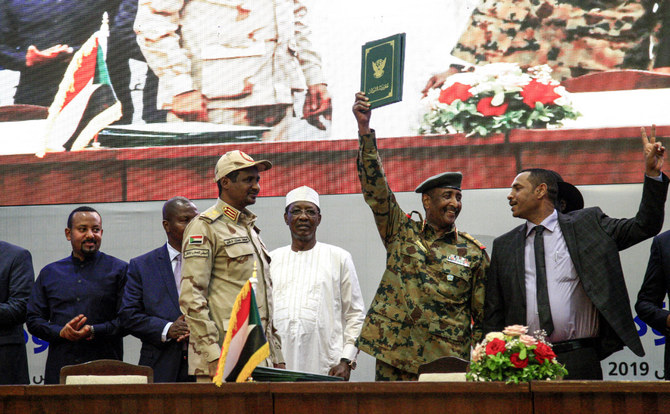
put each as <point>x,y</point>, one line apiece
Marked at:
<point>472,239</point>
<point>211,214</point>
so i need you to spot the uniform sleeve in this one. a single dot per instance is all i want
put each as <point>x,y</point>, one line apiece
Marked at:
<point>376,191</point>
<point>21,277</point>
<point>649,305</point>
<point>310,61</point>
<point>38,314</point>
<point>353,309</point>
<point>663,52</point>
<point>196,273</point>
<point>478,295</point>
<point>157,28</point>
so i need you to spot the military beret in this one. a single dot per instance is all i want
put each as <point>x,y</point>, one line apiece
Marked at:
<point>443,180</point>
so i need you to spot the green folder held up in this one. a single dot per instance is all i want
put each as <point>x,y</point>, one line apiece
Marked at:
<point>382,67</point>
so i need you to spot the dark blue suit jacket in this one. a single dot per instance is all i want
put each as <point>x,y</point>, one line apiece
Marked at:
<point>150,301</point>
<point>655,287</point>
<point>16,281</point>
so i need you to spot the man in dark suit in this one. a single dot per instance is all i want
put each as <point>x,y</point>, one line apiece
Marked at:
<point>654,289</point>
<point>16,281</point>
<point>150,307</point>
<point>577,293</point>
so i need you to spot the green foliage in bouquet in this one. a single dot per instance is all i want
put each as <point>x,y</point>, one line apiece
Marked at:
<point>495,99</point>
<point>514,356</point>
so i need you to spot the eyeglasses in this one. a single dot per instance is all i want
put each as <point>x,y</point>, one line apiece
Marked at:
<point>298,211</point>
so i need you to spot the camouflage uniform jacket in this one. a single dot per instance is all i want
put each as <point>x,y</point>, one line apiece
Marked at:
<point>432,288</point>
<point>219,250</point>
<point>573,37</point>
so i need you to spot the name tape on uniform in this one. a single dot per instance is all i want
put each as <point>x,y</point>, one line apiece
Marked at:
<point>196,253</point>
<point>236,240</point>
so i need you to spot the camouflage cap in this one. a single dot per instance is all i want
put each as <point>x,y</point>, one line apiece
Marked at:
<point>443,180</point>
<point>237,160</point>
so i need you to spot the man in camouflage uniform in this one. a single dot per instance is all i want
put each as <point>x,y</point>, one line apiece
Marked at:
<point>430,302</point>
<point>573,37</point>
<point>221,249</point>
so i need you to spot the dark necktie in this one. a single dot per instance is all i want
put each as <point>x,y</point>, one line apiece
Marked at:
<point>543,309</point>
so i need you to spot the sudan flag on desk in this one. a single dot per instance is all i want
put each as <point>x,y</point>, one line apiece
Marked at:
<point>85,102</point>
<point>245,345</point>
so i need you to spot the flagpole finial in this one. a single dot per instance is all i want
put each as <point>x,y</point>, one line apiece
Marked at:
<point>253,279</point>
<point>104,27</point>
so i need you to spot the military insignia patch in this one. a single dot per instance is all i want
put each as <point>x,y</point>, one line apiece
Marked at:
<point>231,213</point>
<point>458,260</point>
<point>196,253</point>
<point>450,278</point>
<point>197,239</point>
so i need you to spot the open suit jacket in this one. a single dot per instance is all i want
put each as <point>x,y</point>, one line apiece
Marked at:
<point>655,287</point>
<point>594,241</point>
<point>150,301</point>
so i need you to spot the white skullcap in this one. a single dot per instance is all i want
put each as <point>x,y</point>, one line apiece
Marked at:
<point>303,193</point>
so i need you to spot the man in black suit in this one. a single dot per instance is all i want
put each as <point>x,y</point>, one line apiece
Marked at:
<point>577,293</point>
<point>150,307</point>
<point>16,281</point>
<point>654,289</point>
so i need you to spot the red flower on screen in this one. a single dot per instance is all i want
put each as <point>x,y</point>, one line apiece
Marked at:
<point>485,108</point>
<point>455,91</point>
<point>539,92</point>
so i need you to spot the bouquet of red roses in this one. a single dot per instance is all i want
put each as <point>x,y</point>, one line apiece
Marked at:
<point>496,98</point>
<point>514,356</point>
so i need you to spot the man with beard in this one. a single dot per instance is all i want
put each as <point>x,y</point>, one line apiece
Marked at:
<point>75,301</point>
<point>561,273</point>
<point>150,309</point>
<point>221,251</point>
<point>318,304</point>
<point>430,301</point>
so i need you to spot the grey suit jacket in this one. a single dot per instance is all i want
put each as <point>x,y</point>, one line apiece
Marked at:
<point>594,241</point>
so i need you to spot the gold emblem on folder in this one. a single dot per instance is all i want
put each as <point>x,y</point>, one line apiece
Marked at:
<point>378,67</point>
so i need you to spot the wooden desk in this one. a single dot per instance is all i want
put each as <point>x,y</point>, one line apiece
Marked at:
<point>601,397</point>
<point>267,398</point>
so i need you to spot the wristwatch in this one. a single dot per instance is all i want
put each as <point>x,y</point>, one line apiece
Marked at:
<point>352,364</point>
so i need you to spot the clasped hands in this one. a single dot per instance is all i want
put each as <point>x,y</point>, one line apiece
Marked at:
<point>76,329</point>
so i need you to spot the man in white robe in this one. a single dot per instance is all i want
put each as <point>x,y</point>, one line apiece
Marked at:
<point>319,309</point>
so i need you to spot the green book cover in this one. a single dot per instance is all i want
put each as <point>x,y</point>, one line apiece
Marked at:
<point>382,67</point>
